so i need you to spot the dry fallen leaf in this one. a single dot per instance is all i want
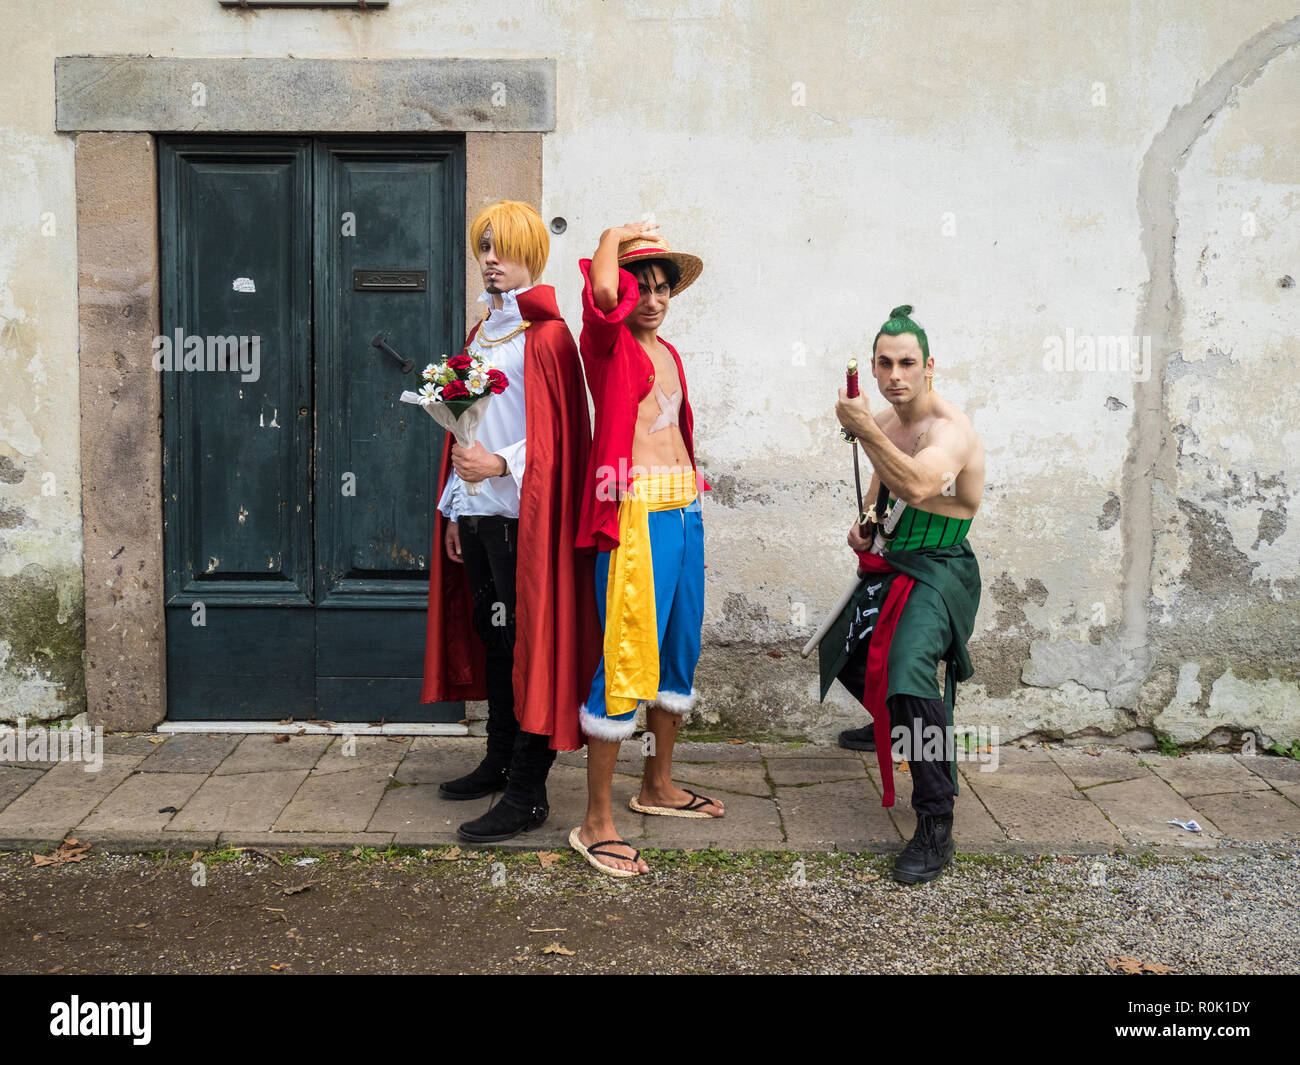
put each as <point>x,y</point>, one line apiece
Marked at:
<point>295,890</point>
<point>734,742</point>
<point>157,739</point>
<point>281,738</point>
<point>903,767</point>
<point>548,858</point>
<point>449,855</point>
<point>69,851</point>
<point>555,948</point>
<point>1091,751</point>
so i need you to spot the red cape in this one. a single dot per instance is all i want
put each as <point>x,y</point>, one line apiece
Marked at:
<point>557,628</point>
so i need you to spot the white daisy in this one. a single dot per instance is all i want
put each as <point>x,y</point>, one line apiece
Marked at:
<point>431,393</point>
<point>476,382</point>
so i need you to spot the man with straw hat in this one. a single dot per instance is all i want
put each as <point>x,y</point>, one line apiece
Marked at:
<point>641,513</point>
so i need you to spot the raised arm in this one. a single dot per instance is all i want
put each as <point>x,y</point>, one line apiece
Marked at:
<point>604,264</point>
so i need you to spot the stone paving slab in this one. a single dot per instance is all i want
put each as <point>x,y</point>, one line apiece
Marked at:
<point>1032,808</point>
<point>740,778</point>
<point>751,823</point>
<point>261,752</point>
<point>135,807</point>
<point>132,744</point>
<point>250,802</point>
<point>844,815</point>
<point>1105,767</point>
<point>15,779</point>
<point>435,759</point>
<point>1207,774</point>
<point>416,816</point>
<point>793,771</point>
<point>717,752</point>
<point>63,797</point>
<point>808,750</point>
<point>335,801</point>
<point>190,752</point>
<point>1263,816</point>
<point>1275,770</point>
<point>367,752</point>
<point>1139,809</point>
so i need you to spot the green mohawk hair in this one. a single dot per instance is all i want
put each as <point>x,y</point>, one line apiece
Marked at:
<point>900,322</point>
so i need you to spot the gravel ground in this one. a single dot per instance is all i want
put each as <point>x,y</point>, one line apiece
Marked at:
<point>699,912</point>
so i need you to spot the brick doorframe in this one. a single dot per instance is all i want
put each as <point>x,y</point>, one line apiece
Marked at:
<point>115,106</point>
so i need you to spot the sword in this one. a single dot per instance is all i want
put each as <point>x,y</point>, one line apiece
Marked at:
<point>851,386</point>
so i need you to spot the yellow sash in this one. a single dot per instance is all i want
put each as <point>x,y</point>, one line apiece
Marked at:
<point>631,627</point>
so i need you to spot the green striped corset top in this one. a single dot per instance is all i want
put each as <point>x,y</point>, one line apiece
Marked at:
<point>919,528</point>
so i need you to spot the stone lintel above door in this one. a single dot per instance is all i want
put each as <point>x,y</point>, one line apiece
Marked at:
<point>209,95</point>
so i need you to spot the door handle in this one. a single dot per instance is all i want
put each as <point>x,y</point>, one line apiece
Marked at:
<point>380,341</point>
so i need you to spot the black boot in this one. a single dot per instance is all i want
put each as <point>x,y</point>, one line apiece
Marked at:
<point>493,773</point>
<point>858,739</point>
<point>484,780</point>
<point>504,821</point>
<point>523,807</point>
<point>928,851</point>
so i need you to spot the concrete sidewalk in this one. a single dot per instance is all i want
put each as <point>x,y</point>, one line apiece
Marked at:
<point>196,791</point>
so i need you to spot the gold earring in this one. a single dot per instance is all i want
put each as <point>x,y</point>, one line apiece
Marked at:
<point>930,382</point>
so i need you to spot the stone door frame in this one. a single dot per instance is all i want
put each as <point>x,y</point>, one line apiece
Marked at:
<point>115,106</point>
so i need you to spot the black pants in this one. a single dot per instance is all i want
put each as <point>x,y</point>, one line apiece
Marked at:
<point>933,791</point>
<point>490,547</point>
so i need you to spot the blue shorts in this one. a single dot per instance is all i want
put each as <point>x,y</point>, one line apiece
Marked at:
<point>677,550</point>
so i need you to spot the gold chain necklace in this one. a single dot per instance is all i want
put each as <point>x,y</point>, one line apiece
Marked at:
<point>488,342</point>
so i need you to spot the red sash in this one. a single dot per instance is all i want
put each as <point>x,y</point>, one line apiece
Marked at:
<point>877,685</point>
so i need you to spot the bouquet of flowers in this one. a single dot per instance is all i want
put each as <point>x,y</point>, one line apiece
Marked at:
<point>455,394</point>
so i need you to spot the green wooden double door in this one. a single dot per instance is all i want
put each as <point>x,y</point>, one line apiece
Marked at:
<point>299,490</point>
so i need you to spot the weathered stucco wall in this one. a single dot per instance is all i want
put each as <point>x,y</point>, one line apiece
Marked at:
<point>1028,176</point>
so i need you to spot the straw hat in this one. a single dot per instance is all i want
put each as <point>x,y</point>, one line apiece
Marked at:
<point>638,248</point>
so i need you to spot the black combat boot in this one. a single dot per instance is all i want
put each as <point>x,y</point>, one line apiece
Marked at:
<point>523,807</point>
<point>484,780</point>
<point>493,773</point>
<point>504,821</point>
<point>927,852</point>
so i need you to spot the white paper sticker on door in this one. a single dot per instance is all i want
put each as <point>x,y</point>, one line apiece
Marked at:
<point>244,284</point>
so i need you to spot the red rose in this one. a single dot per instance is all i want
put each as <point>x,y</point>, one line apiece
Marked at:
<point>454,390</point>
<point>459,362</point>
<point>497,381</point>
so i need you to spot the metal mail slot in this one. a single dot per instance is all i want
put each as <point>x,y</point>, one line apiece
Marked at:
<point>388,280</point>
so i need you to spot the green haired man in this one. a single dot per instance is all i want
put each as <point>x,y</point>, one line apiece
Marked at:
<point>916,604</point>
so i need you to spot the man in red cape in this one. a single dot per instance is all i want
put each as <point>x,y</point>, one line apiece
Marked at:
<point>531,655</point>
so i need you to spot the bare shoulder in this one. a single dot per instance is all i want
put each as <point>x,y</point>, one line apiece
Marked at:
<point>955,424</point>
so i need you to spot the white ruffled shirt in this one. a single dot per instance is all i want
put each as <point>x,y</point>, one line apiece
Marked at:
<point>502,431</point>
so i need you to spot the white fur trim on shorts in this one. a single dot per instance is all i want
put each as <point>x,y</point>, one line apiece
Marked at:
<point>605,728</point>
<point>677,703</point>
